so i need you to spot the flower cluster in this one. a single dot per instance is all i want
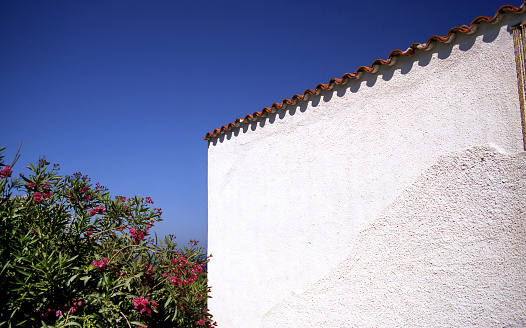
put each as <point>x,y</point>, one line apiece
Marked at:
<point>148,276</point>
<point>97,210</point>
<point>37,196</point>
<point>138,235</point>
<point>47,190</point>
<point>101,264</point>
<point>76,306</point>
<point>158,212</point>
<point>100,187</point>
<point>183,274</point>
<point>147,200</point>
<point>6,172</point>
<point>82,193</point>
<point>143,305</point>
<point>44,314</point>
<point>182,261</point>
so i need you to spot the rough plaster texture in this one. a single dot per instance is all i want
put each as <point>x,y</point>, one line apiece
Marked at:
<point>289,195</point>
<point>448,252</point>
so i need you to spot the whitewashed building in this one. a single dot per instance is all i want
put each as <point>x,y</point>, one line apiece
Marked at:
<point>392,197</point>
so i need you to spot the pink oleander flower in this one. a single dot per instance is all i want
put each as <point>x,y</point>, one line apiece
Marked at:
<point>183,261</point>
<point>31,185</point>
<point>75,306</point>
<point>149,225</point>
<point>149,274</point>
<point>200,297</point>
<point>101,264</point>
<point>200,322</point>
<point>88,198</point>
<point>137,235</point>
<point>47,195</point>
<point>58,313</point>
<point>37,197</point>
<point>89,233</point>
<point>97,210</point>
<point>6,172</point>
<point>140,302</point>
<point>175,281</point>
<point>143,305</point>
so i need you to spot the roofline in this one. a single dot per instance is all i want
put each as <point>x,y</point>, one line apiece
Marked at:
<point>373,68</point>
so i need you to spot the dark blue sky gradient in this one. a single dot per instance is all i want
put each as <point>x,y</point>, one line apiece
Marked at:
<point>125,90</point>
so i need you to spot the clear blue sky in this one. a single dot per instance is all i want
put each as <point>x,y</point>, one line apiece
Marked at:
<point>125,90</point>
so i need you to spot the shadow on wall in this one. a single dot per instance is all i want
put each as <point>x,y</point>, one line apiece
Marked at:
<point>449,252</point>
<point>405,64</point>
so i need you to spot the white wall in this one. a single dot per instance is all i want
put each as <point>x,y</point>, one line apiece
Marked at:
<point>448,252</point>
<point>290,195</point>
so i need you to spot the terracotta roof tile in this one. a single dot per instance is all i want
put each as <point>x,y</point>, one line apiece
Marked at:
<point>373,68</point>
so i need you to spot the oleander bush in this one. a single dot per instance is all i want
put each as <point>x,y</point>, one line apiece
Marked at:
<point>71,255</point>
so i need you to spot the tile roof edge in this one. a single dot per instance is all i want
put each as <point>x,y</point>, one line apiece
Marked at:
<point>373,68</point>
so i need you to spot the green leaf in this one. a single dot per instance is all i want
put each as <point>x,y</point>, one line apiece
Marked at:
<point>71,279</point>
<point>25,273</point>
<point>5,266</point>
<point>85,279</point>
<point>168,301</point>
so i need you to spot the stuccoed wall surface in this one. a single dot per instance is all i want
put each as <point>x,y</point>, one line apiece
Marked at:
<point>448,252</point>
<point>290,194</point>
